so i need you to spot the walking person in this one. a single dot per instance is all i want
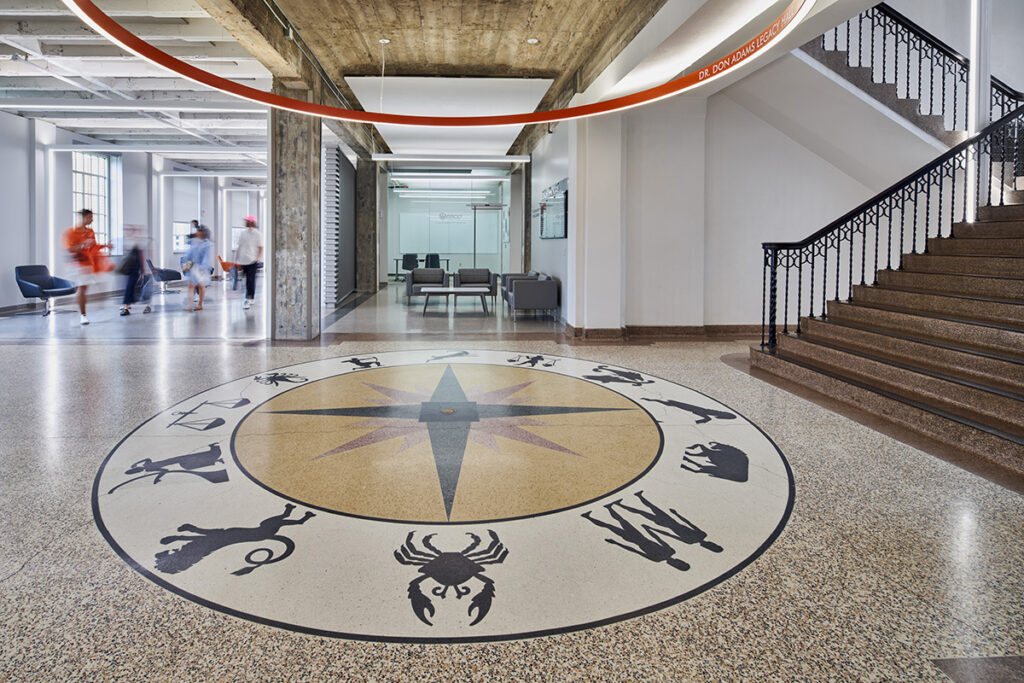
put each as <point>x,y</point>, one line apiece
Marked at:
<point>247,256</point>
<point>133,267</point>
<point>197,264</point>
<point>87,255</point>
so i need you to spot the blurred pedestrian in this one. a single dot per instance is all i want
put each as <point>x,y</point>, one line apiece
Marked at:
<point>133,267</point>
<point>88,257</point>
<point>197,264</point>
<point>247,256</point>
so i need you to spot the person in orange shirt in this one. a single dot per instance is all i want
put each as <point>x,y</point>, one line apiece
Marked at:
<point>80,241</point>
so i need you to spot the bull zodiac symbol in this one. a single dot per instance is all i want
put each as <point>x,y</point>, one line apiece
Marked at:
<point>720,461</point>
<point>451,570</point>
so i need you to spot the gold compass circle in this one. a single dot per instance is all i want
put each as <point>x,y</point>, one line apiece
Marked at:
<point>380,444</point>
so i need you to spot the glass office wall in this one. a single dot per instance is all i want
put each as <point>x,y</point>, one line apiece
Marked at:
<point>462,217</point>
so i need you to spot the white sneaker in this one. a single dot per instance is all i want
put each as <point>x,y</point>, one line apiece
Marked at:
<point>83,320</point>
<point>247,304</point>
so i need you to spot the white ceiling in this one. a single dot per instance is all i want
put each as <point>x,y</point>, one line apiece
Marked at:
<point>449,97</point>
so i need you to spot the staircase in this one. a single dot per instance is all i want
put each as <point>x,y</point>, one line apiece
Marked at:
<point>936,346</point>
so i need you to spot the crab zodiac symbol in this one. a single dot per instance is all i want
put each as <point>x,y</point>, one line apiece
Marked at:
<point>451,570</point>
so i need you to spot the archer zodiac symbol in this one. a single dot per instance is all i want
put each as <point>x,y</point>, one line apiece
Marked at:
<point>457,354</point>
<point>618,376</point>
<point>276,378</point>
<point>189,463</point>
<point>363,363</point>
<point>721,461</point>
<point>451,570</point>
<point>532,361</point>
<point>705,414</point>
<point>207,541</point>
<point>204,424</point>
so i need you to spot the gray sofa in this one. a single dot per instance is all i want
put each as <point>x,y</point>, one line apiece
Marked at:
<point>531,291</point>
<point>418,278</point>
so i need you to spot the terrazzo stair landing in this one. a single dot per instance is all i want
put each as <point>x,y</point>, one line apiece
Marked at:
<point>936,346</point>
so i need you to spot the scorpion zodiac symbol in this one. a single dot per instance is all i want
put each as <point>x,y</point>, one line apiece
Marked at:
<point>276,378</point>
<point>451,570</point>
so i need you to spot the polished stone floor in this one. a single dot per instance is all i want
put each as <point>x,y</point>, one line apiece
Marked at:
<point>892,558</point>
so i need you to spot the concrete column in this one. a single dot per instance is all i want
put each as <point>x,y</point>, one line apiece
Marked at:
<point>293,238</point>
<point>594,296</point>
<point>366,225</point>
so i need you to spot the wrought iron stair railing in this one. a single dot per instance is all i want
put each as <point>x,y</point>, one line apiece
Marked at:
<point>800,278</point>
<point>919,65</point>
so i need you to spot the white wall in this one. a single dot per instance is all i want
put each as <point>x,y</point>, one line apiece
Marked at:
<point>664,225</point>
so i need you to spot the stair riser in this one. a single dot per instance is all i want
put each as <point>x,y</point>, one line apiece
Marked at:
<point>1005,342</point>
<point>973,368</point>
<point>986,446</point>
<point>979,406</point>
<point>998,230</point>
<point>1001,213</point>
<point>965,265</point>
<point>997,288</point>
<point>969,309</point>
<point>984,247</point>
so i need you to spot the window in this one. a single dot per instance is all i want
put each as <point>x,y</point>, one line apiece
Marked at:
<point>91,184</point>
<point>181,232</point>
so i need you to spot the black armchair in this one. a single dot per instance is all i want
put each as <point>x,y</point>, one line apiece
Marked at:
<point>163,275</point>
<point>35,282</point>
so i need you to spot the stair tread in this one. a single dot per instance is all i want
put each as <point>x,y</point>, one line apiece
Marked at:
<point>951,295</point>
<point>907,401</point>
<point>936,316</point>
<point>943,273</point>
<point>912,368</point>
<point>928,342</point>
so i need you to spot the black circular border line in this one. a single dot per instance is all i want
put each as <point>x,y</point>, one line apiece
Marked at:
<point>443,641</point>
<point>654,461</point>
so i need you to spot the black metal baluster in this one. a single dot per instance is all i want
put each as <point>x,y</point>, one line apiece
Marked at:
<point>1002,168</point>
<point>917,192</point>
<point>824,276</point>
<point>860,39</point>
<point>952,198</point>
<point>902,203</point>
<point>875,282</point>
<point>785,306</point>
<point>872,64</point>
<point>863,250</point>
<point>962,157</point>
<point>799,290</point>
<point>839,259</point>
<point>982,164</point>
<point>888,242</point>
<point>849,281</point>
<point>927,209</point>
<point>811,300</point>
<point>942,184</point>
<point>944,97</point>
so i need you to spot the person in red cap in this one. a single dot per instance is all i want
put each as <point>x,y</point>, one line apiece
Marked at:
<point>247,256</point>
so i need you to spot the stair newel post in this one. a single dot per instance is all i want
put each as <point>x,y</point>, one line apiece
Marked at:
<point>863,251</point>
<point>902,204</point>
<point>839,259</point>
<point>849,281</point>
<point>941,177</point>
<point>874,212</point>
<point>962,160</point>
<point>888,240</point>
<point>913,234</point>
<point>1002,167</point>
<point>764,294</point>
<point>799,289</point>
<point>810,301</point>
<point>824,275</point>
<point>785,305</point>
<point>927,208</point>
<point>772,300</point>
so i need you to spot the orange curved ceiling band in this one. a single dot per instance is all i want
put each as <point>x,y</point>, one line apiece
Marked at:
<point>109,28</point>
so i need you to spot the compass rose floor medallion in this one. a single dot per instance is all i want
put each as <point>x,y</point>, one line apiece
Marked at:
<point>443,496</point>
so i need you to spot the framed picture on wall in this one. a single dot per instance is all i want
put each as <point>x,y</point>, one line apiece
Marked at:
<point>181,231</point>
<point>554,211</point>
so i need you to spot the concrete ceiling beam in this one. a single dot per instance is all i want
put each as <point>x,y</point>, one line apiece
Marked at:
<point>259,30</point>
<point>43,29</point>
<point>195,52</point>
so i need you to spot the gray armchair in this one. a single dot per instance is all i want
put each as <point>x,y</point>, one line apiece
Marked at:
<point>418,278</point>
<point>540,293</point>
<point>508,278</point>
<point>478,277</point>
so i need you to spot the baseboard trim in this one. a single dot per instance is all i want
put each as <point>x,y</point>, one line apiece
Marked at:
<point>665,332</point>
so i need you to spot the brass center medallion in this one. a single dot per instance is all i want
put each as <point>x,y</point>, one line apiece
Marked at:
<point>447,443</point>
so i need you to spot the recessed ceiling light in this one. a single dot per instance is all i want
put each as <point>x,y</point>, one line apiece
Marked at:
<point>532,41</point>
<point>383,41</point>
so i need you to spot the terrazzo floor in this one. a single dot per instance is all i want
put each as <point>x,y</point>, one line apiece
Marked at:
<point>892,558</point>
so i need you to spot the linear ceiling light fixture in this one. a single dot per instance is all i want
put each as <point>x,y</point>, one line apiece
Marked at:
<point>101,22</point>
